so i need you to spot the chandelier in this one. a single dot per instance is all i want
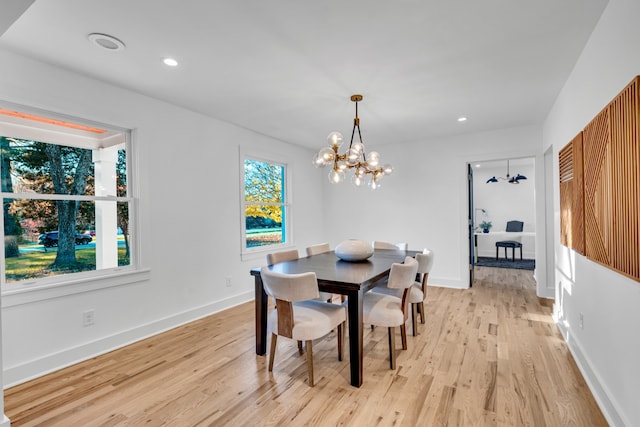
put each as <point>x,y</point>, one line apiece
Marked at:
<point>354,158</point>
<point>510,179</point>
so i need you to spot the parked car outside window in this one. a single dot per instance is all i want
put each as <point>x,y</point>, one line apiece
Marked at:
<point>50,239</point>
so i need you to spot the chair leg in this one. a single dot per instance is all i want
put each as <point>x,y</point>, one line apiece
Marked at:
<point>300,350</point>
<point>422,314</point>
<point>506,257</point>
<point>272,353</point>
<point>310,362</point>
<point>414,320</point>
<point>513,254</point>
<point>340,340</point>
<point>520,253</point>
<point>392,349</point>
<point>403,334</point>
<point>497,249</point>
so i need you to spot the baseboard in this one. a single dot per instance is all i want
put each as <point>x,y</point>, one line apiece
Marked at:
<point>598,389</point>
<point>36,368</point>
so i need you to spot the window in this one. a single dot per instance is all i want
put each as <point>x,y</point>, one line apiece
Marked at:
<point>65,197</point>
<point>264,204</point>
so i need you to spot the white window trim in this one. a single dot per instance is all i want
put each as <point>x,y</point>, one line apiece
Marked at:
<point>261,251</point>
<point>26,291</point>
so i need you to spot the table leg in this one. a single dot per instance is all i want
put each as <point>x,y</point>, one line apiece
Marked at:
<point>261,317</point>
<point>355,336</point>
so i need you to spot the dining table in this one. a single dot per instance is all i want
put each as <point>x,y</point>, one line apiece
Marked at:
<point>336,276</point>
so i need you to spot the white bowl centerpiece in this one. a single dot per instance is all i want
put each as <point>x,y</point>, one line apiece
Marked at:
<point>354,250</point>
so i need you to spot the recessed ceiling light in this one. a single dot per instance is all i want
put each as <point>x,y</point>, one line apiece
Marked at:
<point>106,41</point>
<point>462,119</point>
<point>170,62</point>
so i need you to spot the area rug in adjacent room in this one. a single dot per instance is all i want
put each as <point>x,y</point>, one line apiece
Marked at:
<point>520,264</point>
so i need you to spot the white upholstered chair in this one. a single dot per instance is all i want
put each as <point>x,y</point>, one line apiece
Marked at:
<point>320,249</point>
<point>418,290</point>
<point>418,293</point>
<point>391,311</point>
<point>282,256</point>
<point>387,245</point>
<point>298,315</point>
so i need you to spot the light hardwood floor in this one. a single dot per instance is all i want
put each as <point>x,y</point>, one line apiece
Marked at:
<point>487,356</point>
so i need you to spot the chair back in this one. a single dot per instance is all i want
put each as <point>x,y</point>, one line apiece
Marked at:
<point>290,287</point>
<point>318,249</point>
<point>515,226</point>
<point>425,261</point>
<point>282,256</point>
<point>387,245</point>
<point>402,276</point>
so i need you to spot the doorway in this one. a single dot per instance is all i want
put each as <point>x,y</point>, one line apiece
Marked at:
<point>500,191</point>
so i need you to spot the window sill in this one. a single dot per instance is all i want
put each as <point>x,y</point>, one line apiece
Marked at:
<point>27,294</point>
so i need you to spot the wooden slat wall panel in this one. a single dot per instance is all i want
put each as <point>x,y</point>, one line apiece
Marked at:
<point>571,195</point>
<point>597,188</point>
<point>625,180</point>
<point>565,158</point>
<point>610,182</point>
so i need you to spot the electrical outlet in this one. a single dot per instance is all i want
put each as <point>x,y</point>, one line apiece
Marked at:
<point>88,317</point>
<point>581,321</point>
<point>227,281</point>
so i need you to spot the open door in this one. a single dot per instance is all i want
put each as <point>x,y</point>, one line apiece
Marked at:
<point>471,224</point>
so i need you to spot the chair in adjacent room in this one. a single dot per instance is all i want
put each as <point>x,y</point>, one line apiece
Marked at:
<point>391,311</point>
<point>387,245</point>
<point>298,315</point>
<point>512,227</point>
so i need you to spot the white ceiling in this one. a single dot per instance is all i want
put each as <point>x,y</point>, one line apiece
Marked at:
<point>287,68</point>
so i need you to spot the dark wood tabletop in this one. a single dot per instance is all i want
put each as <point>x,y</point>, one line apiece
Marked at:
<point>352,279</point>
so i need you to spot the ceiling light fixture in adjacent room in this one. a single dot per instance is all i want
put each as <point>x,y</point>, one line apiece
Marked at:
<point>354,158</point>
<point>510,179</point>
<point>106,41</point>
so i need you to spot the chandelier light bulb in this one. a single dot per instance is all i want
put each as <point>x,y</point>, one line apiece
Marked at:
<point>359,147</point>
<point>374,184</point>
<point>373,159</point>
<point>335,139</point>
<point>387,169</point>
<point>356,180</point>
<point>336,176</point>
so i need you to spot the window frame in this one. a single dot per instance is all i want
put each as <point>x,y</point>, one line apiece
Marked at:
<point>25,291</point>
<point>255,252</point>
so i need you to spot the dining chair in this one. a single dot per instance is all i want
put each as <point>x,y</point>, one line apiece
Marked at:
<point>298,315</point>
<point>282,256</point>
<point>391,311</point>
<point>320,249</point>
<point>418,292</point>
<point>387,245</point>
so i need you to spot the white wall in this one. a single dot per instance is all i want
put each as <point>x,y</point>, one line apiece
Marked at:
<point>505,202</point>
<point>424,201</point>
<point>188,174</point>
<point>607,348</point>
